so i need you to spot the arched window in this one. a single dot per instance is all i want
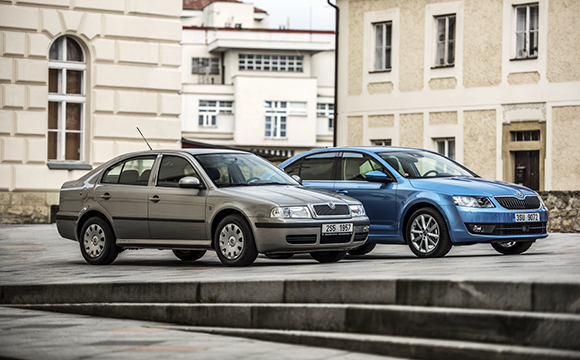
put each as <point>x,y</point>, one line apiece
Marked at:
<point>66,100</point>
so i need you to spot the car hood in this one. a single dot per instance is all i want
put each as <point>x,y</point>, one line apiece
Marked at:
<point>469,186</point>
<point>283,195</point>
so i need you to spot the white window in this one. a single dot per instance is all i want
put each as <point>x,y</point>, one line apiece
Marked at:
<point>209,109</point>
<point>297,108</point>
<point>205,66</point>
<point>66,100</point>
<point>288,63</point>
<point>445,55</point>
<point>381,142</point>
<point>383,43</point>
<point>446,147</point>
<point>276,114</point>
<point>326,110</point>
<point>526,26</point>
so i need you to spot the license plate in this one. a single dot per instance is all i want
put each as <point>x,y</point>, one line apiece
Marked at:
<point>526,217</point>
<point>336,229</point>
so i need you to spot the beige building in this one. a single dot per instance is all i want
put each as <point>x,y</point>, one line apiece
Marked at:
<point>494,84</point>
<point>76,79</point>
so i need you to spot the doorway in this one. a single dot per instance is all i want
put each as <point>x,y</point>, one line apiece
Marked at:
<point>527,169</point>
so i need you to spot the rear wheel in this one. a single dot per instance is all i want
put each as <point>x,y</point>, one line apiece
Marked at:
<point>427,234</point>
<point>363,249</point>
<point>235,244</point>
<point>512,247</point>
<point>189,255</point>
<point>97,242</point>
<point>328,256</point>
<point>279,256</point>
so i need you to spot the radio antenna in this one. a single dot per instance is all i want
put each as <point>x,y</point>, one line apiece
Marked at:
<point>144,138</point>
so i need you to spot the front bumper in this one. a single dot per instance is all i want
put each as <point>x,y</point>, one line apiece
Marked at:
<point>294,236</point>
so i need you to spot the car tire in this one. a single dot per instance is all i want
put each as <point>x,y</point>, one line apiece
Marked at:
<point>426,234</point>
<point>328,256</point>
<point>363,249</point>
<point>512,247</point>
<point>279,256</point>
<point>234,242</point>
<point>189,255</point>
<point>97,242</point>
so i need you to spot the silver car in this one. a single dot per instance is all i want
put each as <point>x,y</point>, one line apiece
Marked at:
<point>195,200</point>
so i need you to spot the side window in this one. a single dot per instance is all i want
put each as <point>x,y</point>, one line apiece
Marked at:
<point>294,168</point>
<point>130,172</point>
<point>172,169</point>
<point>355,166</point>
<point>318,167</point>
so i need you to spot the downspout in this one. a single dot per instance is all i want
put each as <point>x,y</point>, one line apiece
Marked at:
<point>335,74</point>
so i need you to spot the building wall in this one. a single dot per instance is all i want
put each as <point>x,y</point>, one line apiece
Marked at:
<point>132,79</point>
<point>480,100</point>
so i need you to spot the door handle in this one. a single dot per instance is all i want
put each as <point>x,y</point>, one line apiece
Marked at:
<point>106,196</point>
<point>343,192</point>
<point>154,198</point>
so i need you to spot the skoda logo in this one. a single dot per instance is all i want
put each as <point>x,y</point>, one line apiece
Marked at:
<point>331,205</point>
<point>520,194</point>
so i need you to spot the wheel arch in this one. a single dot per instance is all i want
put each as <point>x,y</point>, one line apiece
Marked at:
<point>89,214</point>
<point>419,205</point>
<point>222,214</point>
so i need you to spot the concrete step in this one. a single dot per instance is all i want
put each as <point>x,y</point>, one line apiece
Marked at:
<point>542,330</point>
<point>395,346</point>
<point>493,295</point>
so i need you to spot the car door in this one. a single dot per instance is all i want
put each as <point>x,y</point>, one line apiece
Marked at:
<point>379,199</point>
<point>318,171</point>
<point>123,192</point>
<point>176,213</point>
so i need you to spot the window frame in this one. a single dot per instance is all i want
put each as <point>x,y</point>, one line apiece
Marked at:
<point>211,63</point>
<point>123,162</point>
<point>326,110</point>
<point>207,113</point>
<point>276,119</point>
<point>446,41</point>
<point>271,62</point>
<point>61,98</point>
<point>446,146</point>
<point>527,31</point>
<point>384,46</point>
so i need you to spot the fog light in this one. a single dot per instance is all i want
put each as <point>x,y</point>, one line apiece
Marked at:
<point>480,228</point>
<point>476,228</point>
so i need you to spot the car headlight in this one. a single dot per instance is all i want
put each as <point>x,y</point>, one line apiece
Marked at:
<point>357,210</point>
<point>541,201</point>
<point>290,212</point>
<point>473,201</point>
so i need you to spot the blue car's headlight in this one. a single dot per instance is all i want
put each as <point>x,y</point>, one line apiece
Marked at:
<point>290,212</point>
<point>357,210</point>
<point>473,201</point>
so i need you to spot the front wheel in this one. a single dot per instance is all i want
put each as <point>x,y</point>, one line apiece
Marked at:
<point>328,256</point>
<point>363,249</point>
<point>427,234</point>
<point>97,242</point>
<point>235,244</point>
<point>189,255</point>
<point>511,247</point>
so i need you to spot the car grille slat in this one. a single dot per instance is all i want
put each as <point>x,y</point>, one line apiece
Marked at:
<point>520,228</point>
<point>335,239</point>
<point>514,203</point>
<point>301,239</point>
<point>325,210</point>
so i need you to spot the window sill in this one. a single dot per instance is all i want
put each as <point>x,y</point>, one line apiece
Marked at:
<point>276,138</point>
<point>380,71</point>
<point>524,59</point>
<point>442,66</point>
<point>68,166</point>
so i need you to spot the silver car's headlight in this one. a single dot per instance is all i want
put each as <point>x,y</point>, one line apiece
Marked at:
<point>473,201</point>
<point>291,212</point>
<point>357,210</point>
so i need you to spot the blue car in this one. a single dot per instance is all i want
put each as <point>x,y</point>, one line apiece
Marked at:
<point>426,200</point>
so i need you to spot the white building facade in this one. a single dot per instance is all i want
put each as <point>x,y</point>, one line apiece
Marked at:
<point>76,79</point>
<point>246,86</point>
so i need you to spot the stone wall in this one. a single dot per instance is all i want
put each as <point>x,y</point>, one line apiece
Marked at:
<point>564,207</point>
<point>27,207</point>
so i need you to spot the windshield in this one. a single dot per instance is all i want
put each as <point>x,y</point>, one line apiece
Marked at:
<point>242,170</point>
<point>423,164</point>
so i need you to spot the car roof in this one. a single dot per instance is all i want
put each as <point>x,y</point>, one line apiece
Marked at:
<point>373,149</point>
<point>189,151</point>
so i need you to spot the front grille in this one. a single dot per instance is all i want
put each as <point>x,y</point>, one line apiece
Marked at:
<point>520,228</point>
<point>360,236</point>
<point>325,210</point>
<point>301,239</point>
<point>335,239</point>
<point>514,203</point>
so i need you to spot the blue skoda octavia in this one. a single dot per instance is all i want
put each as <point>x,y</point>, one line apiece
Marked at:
<point>425,200</point>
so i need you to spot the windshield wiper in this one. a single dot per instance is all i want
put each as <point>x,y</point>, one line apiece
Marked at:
<point>233,185</point>
<point>268,183</point>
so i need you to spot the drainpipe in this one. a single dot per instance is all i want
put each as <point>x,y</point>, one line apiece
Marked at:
<point>335,74</point>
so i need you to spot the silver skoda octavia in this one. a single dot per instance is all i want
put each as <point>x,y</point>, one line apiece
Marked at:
<point>191,201</point>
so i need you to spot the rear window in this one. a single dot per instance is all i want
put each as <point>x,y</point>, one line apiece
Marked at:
<point>318,167</point>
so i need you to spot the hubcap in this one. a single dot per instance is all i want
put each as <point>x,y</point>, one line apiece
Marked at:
<point>425,233</point>
<point>94,241</point>
<point>231,241</point>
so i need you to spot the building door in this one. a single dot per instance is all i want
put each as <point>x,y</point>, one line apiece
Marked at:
<point>527,169</point>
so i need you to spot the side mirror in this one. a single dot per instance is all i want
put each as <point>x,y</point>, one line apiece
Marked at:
<point>297,178</point>
<point>190,182</point>
<point>378,176</point>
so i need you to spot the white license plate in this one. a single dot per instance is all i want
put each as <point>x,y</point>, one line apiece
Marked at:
<point>526,217</point>
<point>336,229</point>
